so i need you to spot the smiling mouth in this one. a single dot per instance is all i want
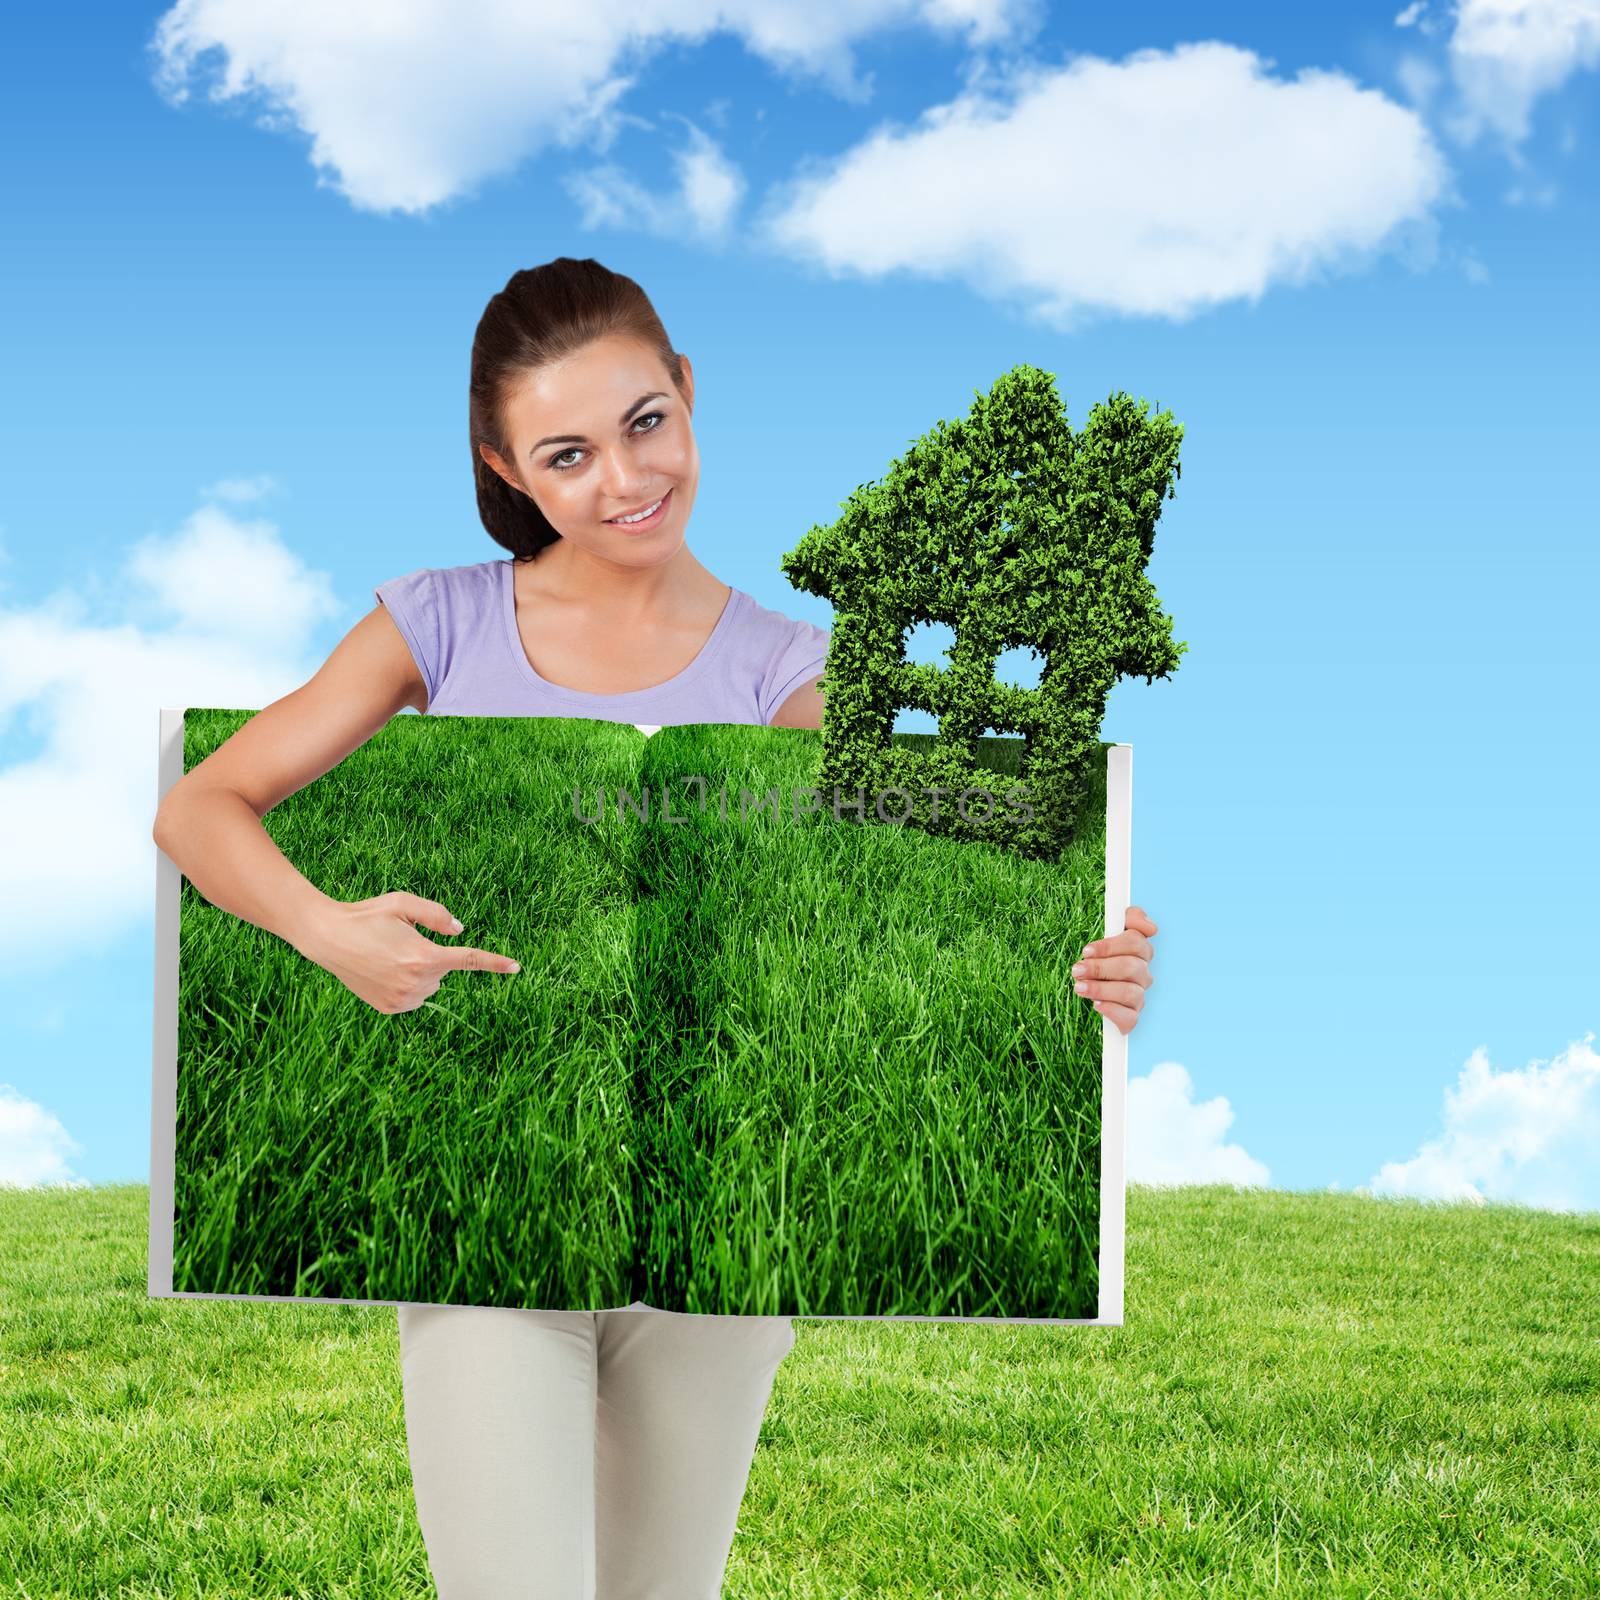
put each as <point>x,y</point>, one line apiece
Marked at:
<point>635,518</point>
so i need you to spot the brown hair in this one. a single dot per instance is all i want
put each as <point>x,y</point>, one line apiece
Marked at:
<point>543,314</point>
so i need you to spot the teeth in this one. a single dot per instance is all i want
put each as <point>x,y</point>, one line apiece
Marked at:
<point>649,511</point>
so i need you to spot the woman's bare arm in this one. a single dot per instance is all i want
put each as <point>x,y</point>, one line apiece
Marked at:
<point>802,708</point>
<point>210,820</point>
<point>209,823</point>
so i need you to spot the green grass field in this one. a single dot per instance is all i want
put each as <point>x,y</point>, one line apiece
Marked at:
<point>755,1066</point>
<point>1314,1394</point>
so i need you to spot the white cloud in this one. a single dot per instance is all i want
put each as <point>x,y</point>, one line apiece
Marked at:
<point>1524,194</point>
<point>1420,79</point>
<point>219,614</point>
<point>1416,16</point>
<point>34,1146</point>
<point>256,488</point>
<point>1171,1140</point>
<point>1530,1134</point>
<point>1160,185</point>
<point>1505,54</point>
<point>710,188</point>
<point>415,102</point>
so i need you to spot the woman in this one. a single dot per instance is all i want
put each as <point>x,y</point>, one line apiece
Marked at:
<point>561,1453</point>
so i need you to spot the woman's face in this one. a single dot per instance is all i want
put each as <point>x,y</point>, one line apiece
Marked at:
<point>601,433</point>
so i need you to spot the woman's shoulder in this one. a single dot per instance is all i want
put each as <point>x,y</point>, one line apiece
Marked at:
<point>442,580</point>
<point>429,594</point>
<point>778,627</point>
<point>781,651</point>
<point>445,614</point>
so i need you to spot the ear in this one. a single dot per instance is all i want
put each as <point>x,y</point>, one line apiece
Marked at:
<point>688,381</point>
<point>497,462</point>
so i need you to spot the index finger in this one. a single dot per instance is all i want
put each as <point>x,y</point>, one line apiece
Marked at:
<point>468,958</point>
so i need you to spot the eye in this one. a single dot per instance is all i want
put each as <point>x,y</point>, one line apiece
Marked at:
<point>556,462</point>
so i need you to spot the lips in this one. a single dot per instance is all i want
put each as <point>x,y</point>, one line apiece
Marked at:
<point>645,522</point>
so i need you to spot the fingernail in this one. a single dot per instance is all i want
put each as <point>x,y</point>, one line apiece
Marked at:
<point>455,924</point>
<point>1080,987</point>
<point>1078,969</point>
<point>1088,949</point>
<point>516,966</point>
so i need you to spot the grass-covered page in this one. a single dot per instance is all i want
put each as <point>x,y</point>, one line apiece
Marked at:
<point>761,1057</point>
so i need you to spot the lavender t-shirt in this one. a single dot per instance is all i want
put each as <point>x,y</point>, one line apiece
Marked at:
<point>461,626</point>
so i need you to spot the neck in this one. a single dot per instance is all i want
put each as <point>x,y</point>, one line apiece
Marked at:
<point>568,574</point>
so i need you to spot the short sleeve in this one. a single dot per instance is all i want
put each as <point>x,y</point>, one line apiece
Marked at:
<point>800,659</point>
<point>412,601</point>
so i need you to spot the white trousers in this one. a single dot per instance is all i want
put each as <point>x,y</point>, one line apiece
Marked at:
<point>582,1455</point>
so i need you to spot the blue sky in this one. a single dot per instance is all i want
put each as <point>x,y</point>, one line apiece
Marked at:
<point>1352,249</point>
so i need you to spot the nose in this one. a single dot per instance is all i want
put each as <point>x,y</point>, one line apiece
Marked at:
<point>621,477</point>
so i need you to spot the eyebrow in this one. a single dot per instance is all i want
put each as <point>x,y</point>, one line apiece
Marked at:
<point>578,438</point>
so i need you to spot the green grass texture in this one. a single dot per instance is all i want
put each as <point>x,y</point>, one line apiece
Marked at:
<point>755,1062</point>
<point>1322,1395</point>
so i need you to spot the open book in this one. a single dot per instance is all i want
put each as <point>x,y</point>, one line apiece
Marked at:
<point>767,1054</point>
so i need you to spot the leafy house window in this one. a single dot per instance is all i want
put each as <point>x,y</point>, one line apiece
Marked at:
<point>1016,534</point>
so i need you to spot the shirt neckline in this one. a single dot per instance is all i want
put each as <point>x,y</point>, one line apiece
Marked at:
<point>707,652</point>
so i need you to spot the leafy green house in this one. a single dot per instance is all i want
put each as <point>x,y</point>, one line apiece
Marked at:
<point>1013,531</point>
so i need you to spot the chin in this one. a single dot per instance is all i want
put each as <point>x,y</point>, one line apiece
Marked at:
<point>640,552</point>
